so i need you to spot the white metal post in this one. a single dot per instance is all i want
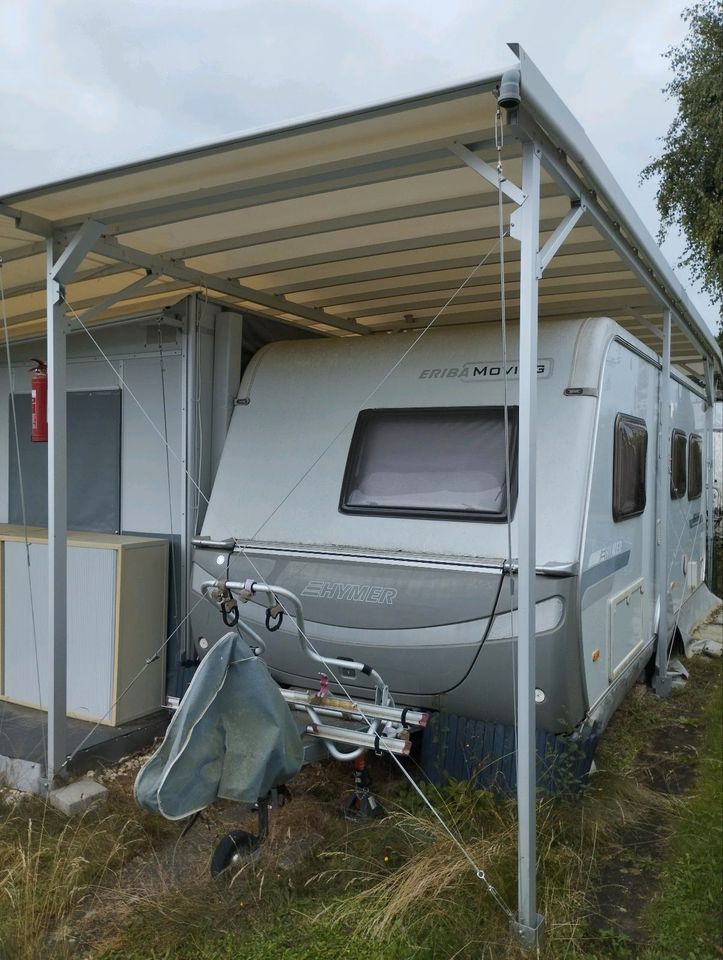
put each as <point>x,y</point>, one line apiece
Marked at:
<point>529,925</point>
<point>661,681</point>
<point>189,459</point>
<point>57,517</point>
<point>708,447</point>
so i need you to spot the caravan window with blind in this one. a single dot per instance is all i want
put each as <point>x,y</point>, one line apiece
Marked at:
<point>695,467</point>
<point>447,463</point>
<point>630,451</point>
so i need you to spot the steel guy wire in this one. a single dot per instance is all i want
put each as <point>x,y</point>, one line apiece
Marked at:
<point>11,387</point>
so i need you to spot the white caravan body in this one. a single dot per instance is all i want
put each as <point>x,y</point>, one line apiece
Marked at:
<point>422,594</point>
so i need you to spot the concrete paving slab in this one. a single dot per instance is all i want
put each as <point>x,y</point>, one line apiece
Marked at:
<point>76,798</point>
<point>20,774</point>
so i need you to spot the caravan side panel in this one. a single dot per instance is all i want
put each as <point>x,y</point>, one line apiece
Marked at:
<point>618,558</point>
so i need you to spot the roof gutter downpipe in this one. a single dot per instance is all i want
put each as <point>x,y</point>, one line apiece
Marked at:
<point>508,93</point>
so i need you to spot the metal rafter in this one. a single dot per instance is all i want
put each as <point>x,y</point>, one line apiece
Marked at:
<point>369,218</point>
<point>382,167</point>
<point>27,222</point>
<point>558,168</point>
<point>488,172</point>
<point>427,266</point>
<point>108,247</point>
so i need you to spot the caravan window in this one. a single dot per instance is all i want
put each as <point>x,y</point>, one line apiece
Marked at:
<point>695,467</point>
<point>678,462</point>
<point>446,463</point>
<point>629,460</point>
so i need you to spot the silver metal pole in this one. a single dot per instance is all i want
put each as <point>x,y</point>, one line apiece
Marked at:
<point>57,518</point>
<point>661,682</point>
<point>709,455</point>
<point>189,456</point>
<point>529,926</point>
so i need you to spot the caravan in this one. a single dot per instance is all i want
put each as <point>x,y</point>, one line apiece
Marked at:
<point>375,479</point>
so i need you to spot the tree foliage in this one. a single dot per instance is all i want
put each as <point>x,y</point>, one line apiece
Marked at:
<point>690,167</point>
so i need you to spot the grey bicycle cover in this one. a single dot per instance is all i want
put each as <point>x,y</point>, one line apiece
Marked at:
<point>232,737</point>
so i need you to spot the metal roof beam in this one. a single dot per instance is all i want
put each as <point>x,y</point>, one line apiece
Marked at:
<point>76,251</point>
<point>552,123</point>
<point>490,312</point>
<point>400,163</point>
<point>640,318</point>
<point>28,222</point>
<point>488,173</point>
<point>100,307</point>
<point>557,166</point>
<point>108,247</point>
<point>23,252</point>
<point>511,257</point>
<point>405,245</point>
<point>88,302</point>
<point>98,273</point>
<point>430,266</point>
<point>616,297</point>
<point>448,284</point>
<point>409,211</point>
<point>316,124</point>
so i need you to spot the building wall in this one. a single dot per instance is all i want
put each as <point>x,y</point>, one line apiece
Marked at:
<point>144,477</point>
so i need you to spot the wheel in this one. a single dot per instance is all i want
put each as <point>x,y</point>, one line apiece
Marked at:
<point>234,848</point>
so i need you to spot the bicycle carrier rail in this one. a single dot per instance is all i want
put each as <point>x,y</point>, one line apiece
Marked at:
<point>367,725</point>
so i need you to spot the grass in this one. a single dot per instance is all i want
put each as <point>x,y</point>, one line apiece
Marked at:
<point>685,917</point>
<point>51,867</point>
<point>118,885</point>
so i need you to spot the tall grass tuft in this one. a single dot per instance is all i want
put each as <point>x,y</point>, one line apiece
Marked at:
<point>50,868</point>
<point>431,894</point>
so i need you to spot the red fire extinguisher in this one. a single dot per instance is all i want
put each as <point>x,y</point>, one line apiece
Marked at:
<point>39,404</point>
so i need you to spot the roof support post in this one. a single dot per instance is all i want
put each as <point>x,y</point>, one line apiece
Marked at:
<point>661,681</point>
<point>62,261</point>
<point>527,230</point>
<point>709,455</point>
<point>57,516</point>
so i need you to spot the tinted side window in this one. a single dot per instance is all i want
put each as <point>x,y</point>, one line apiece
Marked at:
<point>629,463</point>
<point>678,463</point>
<point>695,467</point>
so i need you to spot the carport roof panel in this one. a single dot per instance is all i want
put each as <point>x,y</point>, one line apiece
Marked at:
<point>358,221</point>
<point>314,146</point>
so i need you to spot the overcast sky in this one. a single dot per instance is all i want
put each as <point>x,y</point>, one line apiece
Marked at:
<point>92,83</point>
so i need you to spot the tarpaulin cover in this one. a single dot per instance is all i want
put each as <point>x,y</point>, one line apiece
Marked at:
<point>232,737</point>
